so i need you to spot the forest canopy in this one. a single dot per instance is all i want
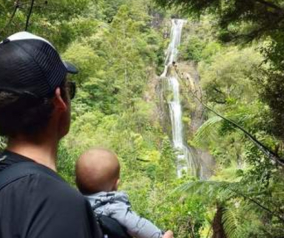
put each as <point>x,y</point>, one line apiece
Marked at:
<point>230,62</point>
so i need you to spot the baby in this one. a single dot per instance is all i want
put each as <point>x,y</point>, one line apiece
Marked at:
<point>97,177</point>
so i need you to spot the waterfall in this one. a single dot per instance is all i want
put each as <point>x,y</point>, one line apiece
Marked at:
<point>186,161</point>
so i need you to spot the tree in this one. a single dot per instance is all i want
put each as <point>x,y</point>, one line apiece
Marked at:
<point>246,18</point>
<point>243,21</point>
<point>227,79</point>
<point>55,20</point>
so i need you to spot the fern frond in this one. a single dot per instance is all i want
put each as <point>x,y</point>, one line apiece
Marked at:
<point>208,129</point>
<point>231,223</point>
<point>2,143</point>
<point>212,189</point>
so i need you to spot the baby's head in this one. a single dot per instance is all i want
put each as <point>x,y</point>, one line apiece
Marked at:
<point>97,170</point>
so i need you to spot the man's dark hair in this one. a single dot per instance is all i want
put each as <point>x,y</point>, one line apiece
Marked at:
<point>24,114</point>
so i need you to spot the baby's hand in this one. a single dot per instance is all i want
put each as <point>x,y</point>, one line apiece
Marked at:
<point>168,234</point>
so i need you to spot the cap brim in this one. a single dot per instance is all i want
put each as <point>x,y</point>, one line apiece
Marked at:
<point>71,68</point>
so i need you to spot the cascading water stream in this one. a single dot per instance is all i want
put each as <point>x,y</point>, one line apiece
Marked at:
<point>185,158</point>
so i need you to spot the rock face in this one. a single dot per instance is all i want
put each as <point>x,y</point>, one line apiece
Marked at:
<point>189,82</point>
<point>186,162</point>
<point>181,125</point>
<point>192,92</point>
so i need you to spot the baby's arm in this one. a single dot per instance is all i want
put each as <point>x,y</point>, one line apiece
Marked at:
<point>136,226</point>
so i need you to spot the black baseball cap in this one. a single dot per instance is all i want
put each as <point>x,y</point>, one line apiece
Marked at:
<point>30,65</point>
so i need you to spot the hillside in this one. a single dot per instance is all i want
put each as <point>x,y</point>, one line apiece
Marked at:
<point>185,164</point>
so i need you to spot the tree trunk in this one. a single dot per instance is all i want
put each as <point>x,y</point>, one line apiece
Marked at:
<point>218,229</point>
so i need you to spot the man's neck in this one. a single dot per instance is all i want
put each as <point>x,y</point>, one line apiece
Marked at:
<point>44,153</point>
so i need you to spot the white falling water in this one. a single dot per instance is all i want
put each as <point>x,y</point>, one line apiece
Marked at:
<point>185,159</point>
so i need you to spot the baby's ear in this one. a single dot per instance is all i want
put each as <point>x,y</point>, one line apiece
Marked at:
<point>116,184</point>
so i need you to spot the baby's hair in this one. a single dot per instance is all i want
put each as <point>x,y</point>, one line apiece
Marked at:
<point>97,170</point>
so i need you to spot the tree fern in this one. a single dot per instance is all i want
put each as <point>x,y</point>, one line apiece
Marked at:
<point>224,191</point>
<point>236,220</point>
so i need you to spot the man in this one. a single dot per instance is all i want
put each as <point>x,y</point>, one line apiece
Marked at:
<point>34,116</point>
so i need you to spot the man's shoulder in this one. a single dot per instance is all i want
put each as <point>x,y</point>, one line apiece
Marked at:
<point>42,186</point>
<point>45,195</point>
<point>42,201</point>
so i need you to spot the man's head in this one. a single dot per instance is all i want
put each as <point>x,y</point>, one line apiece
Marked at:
<point>32,86</point>
<point>97,170</point>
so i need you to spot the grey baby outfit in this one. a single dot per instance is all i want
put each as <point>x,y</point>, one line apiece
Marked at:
<point>117,206</point>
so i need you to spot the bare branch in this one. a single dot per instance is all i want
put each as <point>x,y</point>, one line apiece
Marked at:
<point>29,15</point>
<point>270,4</point>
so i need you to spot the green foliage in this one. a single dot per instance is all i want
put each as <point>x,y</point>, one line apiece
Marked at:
<point>106,10</point>
<point>165,172</point>
<point>193,49</point>
<point>271,92</point>
<point>249,19</point>
<point>199,42</point>
<point>246,21</point>
<point>110,111</point>
<point>230,78</point>
<point>241,216</point>
<point>59,21</point>
<point>207,129</point>
<point>227,78</point>
<point>233,225</point>
<point>118,49</point>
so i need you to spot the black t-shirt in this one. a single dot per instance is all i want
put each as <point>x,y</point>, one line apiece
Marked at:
<point>42,206</point>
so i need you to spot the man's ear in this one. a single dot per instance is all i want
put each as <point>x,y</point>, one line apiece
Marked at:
<point>59,102</point>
